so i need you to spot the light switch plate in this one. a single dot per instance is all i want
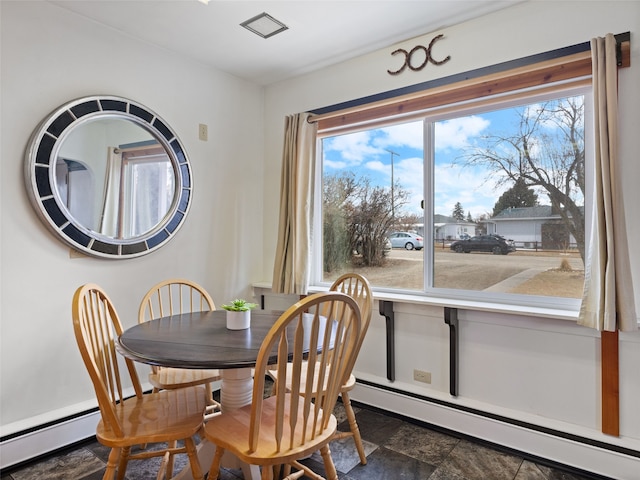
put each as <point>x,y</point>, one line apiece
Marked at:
<point>203,132</point>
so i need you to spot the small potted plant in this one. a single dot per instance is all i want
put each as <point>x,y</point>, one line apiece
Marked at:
<point>238,314</point>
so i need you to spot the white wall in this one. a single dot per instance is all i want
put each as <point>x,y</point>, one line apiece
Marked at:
<point>542,371</point>
<point>50,56</point>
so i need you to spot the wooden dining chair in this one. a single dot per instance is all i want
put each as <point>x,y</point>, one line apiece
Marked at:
<point>279,430</point>
<point>169,416</point>
<point>357,287</point>
<point>172,297</point>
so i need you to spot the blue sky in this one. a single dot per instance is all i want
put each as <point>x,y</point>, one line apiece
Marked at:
<point>366,153</point>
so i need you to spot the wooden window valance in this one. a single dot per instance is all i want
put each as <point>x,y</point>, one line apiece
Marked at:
<point>566,64</point>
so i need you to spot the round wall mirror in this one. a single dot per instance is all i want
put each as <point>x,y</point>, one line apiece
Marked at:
<point>109,177</point>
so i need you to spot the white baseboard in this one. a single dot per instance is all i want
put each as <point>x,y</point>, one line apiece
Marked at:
<point>42,441</point>
<point>581,455</point>
<point>584,456</point>
<point>32,437</point>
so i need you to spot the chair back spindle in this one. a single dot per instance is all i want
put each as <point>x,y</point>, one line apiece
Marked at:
<point>173,297</point>
<point>97,326</point>
<point>330,320</point>
<point>357,287</point>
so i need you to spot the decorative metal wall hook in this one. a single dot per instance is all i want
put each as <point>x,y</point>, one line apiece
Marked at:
<point>418,48</point>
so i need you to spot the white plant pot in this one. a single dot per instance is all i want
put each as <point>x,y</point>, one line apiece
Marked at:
<point>238,320</point>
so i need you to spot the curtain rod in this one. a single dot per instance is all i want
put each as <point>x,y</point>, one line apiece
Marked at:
<point>328,111</point>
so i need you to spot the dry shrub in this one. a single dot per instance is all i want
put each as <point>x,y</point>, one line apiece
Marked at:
<point>565,266</point>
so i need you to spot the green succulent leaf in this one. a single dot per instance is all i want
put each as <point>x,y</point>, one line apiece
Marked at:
<point>239,305</point>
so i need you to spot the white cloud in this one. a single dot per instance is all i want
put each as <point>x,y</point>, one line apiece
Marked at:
<point>455,133</point>
<point>457,184</point>
<point>337,165</point>
<point>378,166</point>
<point>403,135</point>
<point>353,148</point>
<point>552,119</point>
<point>409,172</point>
<point>367,151</point>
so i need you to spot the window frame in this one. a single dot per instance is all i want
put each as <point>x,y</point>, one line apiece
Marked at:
<point>516,100</point>
<point>429,294</point>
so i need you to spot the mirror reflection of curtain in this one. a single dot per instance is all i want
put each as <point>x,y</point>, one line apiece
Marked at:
<point>139,190</point>
<point>148,184</point>
<point>75,186</point>
<point>109,217</point>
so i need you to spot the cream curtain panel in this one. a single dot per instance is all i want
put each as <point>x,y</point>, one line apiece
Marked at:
<point>291,267</point>
<point>607,302</point>
<point>111,199</point>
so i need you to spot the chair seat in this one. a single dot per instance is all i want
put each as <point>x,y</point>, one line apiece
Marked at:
<point>168,378</point>
<point>349,384</point>
<point>156,417</point>
<point>230,430</point>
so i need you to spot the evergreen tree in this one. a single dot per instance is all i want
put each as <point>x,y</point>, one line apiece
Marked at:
<point>520,195</point>
<point>458,212</point>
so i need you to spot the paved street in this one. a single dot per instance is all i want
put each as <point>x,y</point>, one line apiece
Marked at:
<point>475,271</point>
<point>524,259</point>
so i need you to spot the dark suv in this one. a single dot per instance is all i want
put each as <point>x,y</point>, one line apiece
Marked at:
<point>495,244</point>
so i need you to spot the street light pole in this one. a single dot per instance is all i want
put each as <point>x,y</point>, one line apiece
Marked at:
<point>393,206</point>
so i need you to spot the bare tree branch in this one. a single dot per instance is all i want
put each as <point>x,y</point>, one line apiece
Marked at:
<point>547,153</point>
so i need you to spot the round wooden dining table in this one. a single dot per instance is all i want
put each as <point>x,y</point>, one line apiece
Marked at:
<point>197,340</point>
<point>202,340</point>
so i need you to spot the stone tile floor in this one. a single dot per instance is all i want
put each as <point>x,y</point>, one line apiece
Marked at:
<point>395,448</point>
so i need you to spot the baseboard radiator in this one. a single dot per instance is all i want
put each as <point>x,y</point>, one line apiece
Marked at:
<point>543,445</point>
<point>603,460</point>
<point>29,445</point>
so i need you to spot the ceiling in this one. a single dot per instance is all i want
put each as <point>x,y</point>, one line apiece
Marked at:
<point>320,33</point>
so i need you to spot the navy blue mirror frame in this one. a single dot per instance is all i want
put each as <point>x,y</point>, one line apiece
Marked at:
<point>41,157</point>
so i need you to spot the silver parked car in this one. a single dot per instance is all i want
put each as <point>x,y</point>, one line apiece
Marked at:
<point>406,240</point>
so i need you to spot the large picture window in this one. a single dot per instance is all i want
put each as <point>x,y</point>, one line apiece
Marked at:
<point>478,200</point>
